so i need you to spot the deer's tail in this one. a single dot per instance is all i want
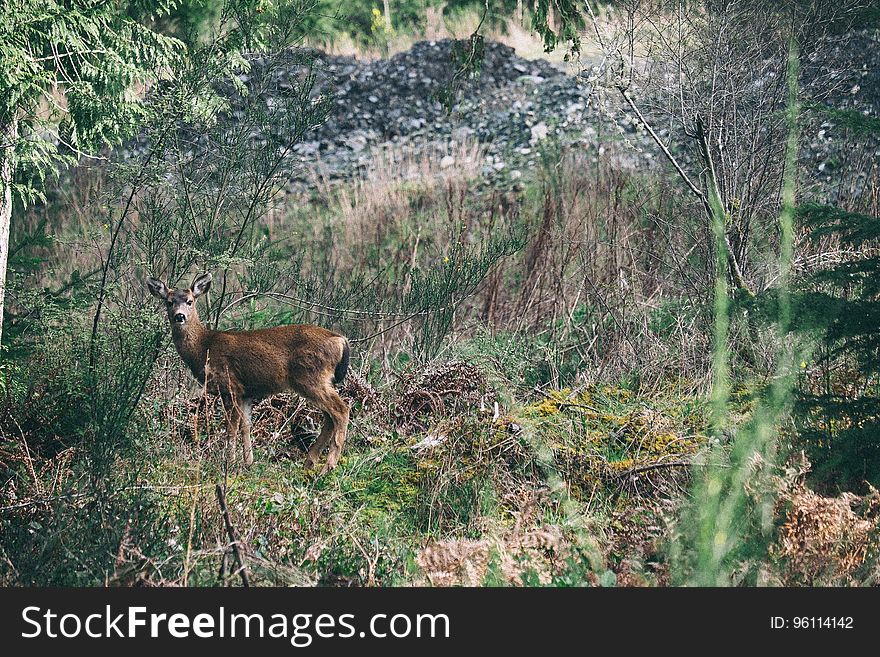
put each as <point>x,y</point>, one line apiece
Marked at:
<point>342,367</point>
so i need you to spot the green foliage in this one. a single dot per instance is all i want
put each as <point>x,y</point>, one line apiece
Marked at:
<point>358,19</point>
<point>363,21</point>
<point>566,481</point>
<point>837,307</point>
<point>67,543</point>
<point>59,408</point>
<point>436,293</point>
<point>858,123</point>
<point>188,20</point>
<point>569,22</point>
<point>839,406</point>
<point>86,52</point>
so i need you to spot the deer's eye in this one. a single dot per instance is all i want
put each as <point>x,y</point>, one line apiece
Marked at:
<point>189,302</point>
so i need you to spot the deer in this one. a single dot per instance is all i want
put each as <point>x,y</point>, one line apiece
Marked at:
<point>242,366</point>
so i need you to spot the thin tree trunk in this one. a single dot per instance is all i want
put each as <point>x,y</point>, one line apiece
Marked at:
<point>387,7</point>
<point>8,137</point>
<point>732,262</point>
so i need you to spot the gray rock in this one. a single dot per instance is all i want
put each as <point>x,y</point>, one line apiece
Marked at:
<point>539,132</point>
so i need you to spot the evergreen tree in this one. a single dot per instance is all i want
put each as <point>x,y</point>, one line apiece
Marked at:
<point>839,412</point>
<point>837,408</point>
<point>68,76</point>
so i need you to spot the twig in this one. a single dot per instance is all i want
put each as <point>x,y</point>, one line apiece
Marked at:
<point>43,500</point>
<point>28,459</point>
<point>654,466</point>
<point>666,152</point>
<point>221,575</point>
<point>472,55</point>
<point>233,537</point>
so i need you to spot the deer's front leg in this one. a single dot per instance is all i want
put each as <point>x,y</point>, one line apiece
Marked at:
<point>234,417</point>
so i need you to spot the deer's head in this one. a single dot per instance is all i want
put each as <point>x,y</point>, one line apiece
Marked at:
<point>180,304</point>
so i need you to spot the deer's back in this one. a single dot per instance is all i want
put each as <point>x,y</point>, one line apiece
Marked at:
<point>267,361</point>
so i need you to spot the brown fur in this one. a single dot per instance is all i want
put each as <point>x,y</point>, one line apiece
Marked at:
<point>242,366</point>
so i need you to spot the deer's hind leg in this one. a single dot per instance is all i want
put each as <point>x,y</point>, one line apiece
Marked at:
<point>245,406</point>
<point>323,439</point>
<point>233,420</point>
<point>333,432</point>
<point>340,430</point>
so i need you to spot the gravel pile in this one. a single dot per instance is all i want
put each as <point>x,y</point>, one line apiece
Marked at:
<point>515,105</point>
<point>510,108</point>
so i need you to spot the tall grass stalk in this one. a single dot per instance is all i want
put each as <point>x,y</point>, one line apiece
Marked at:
<point>727,519</point>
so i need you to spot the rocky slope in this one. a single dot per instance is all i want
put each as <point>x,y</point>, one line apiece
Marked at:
<point>516,105</point>
<point>510,109</point>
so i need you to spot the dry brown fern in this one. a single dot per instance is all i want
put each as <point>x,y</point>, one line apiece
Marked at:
<point>827,540</point>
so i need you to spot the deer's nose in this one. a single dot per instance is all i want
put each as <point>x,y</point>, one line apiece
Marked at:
<point>180,318</point>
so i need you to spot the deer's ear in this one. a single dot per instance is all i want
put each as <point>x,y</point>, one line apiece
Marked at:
<point>157,288</point>
<point>201,285</point>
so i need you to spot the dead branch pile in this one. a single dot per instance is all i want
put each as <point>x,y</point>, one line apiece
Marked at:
<point>439,390</point>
